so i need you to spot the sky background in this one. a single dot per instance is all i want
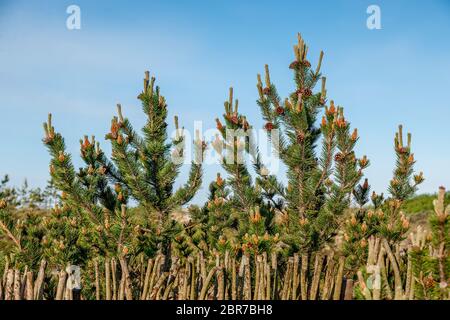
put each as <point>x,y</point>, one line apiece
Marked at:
<point>198,49</point>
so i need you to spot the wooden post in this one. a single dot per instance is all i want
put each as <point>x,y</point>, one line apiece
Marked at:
<point>17,295</point>
<point>107,279</point>
<point>9,284</point>
<point>303,277</point>
<point>38,285</point>
<point>348,295</point>
<point>61,285</point>
<point>29,286</point>
<point>97,281</point>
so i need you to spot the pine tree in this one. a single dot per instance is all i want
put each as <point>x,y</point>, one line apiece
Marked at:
<point>21,233</point>
<point>243,205</point>
<point>385,220</point>
<point>357,230</point>
<point>8,195</point>
<point>222,220</point>
<point>141,168</point>
<point>319,188</point>
<point>392,223</point>
<point>22,225</point>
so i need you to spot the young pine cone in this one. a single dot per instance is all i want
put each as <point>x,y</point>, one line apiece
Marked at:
<point>268,126</point>
<point>294,65</point>
<point>306,63</point>
<point>279,111</point>
<point>339,157</point>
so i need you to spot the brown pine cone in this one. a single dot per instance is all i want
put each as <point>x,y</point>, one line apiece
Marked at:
<point>306,92</point>
<point>268,126</point>
<point>306,63</point>
<point>429,282</point>
<point>338,157</point>
<point>279,110</point>
<point>300,137</point>
<point>294,65</point>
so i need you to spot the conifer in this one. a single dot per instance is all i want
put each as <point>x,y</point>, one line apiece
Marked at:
<point>319,186</point>
<point>141,169</point>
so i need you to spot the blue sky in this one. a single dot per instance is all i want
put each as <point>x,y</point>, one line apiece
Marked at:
<point>197,49</point>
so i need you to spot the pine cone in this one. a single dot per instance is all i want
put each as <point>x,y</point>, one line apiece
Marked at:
<point>300,137</point>
<point>429,282</point>
<point>402,150</point>
<point>279,110</point>
<point>269,126</point>
<point>338,157</point>
<point>294,65</point>
<point>306,92</point>
<point>365,185</point>
<point>266,91</point>
<point>306,63</point>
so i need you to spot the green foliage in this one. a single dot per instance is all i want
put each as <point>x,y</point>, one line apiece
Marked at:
<point>422,203</point>
<point>430,256</point>
<point>386,219</point>
<point>233,202</point>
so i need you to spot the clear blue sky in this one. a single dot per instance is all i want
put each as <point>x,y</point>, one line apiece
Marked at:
<point>197,49</point>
